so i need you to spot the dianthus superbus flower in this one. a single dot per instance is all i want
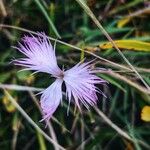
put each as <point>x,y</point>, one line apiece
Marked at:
<point>79,80</point>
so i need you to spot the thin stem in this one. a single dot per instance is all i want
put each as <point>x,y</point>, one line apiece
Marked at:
<point>3,9</point>
<point>119,130</point>
<point>20,87</point>
<point>30,90</point>
<point>49,125</point>
<point>26,116</point>
<point>137,13</point>
<point>47,17</point>
<point>69,45</point>
<point>133,84</point>
<point>124,79</point>
<point>90,13</point>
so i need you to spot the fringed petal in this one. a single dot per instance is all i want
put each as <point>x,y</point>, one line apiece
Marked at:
<point>40,55</point>
<point>80,84</point>
<point>51,98</point>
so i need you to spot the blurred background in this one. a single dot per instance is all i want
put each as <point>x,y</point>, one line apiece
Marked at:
<point>127,103</point>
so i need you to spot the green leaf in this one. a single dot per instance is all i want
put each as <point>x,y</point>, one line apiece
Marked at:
<point>112,81</point>
<point>41,141</point>
<point>4,76</point>
<point>24,75</point>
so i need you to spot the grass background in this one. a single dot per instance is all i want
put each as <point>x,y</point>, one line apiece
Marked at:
<point>126,94</point>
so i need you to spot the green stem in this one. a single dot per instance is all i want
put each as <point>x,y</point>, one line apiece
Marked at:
<point>47,17</point>
<point>90,13</point>
<point>26,116</point>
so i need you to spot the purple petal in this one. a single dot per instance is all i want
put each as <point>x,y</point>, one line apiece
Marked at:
<point>40,55</point>
<point>80,84</point>
<point>51,98</point>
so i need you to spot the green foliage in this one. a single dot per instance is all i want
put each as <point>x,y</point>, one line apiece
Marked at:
<point>126,94</point>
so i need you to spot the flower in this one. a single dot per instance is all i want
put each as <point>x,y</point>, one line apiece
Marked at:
<point>79,80</point>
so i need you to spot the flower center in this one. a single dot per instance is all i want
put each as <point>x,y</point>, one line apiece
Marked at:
<point>61,75</point>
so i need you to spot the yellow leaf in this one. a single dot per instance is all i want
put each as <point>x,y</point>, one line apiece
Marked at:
<point>30,79</point>
<point>128,45</point>
<point>129,146</point>
<point>121,23</point>
<point>25,76</point>
<point>145,114</point>
<point>8,105</point>
<point>16,124</point>
<point>91,49</point>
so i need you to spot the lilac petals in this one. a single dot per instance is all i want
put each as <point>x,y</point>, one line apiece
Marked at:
<point>80,84</point>
<point>51,98</point>
<point>40,55</point>
<point>80,80</point>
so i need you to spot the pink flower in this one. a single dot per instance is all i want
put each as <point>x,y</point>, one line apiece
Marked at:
<point>79,80</point>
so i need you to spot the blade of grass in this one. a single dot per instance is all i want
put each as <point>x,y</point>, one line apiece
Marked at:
<point>41,141</point>
<point>90,13</point>
<point>20,87</point>
<point>130,82</point>
<point>69,45</point>
<point>125,6</point>
<point>138,13</point>
<point>119,130</point>
<point>49,125</point>
<point>30,90</point>
<point>47,17</point>
<point>16,127</point>
<point>26,116</point>
<point>3,9</point>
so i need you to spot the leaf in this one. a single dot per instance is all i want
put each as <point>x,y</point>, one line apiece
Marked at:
<point>8,105</point>
<point>51,24</point>
<point>25,76</point>
<point>87,32</point>
<point>4,76</point>
<point>129,146</point>
<point>41,140</point>
<point>125,6</point>
<point>113,81</point>
<point>128,44</point>
<point>16,124</point>
<point>121,23</point>
<point>145,114</point>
